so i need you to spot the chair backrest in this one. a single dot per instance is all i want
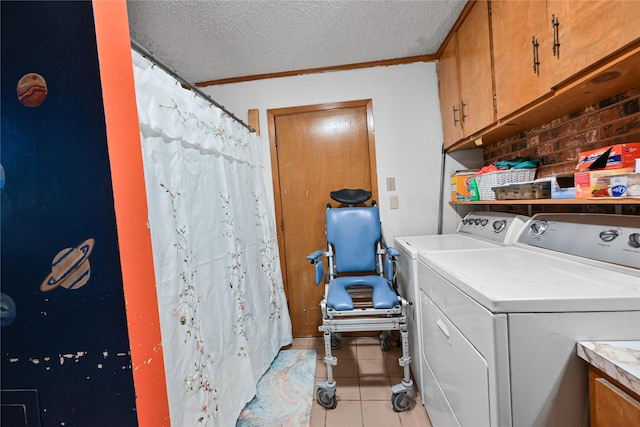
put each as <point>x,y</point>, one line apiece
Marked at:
<point>353,232</point>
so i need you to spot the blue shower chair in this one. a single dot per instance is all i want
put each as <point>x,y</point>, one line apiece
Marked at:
<point>359,290</point>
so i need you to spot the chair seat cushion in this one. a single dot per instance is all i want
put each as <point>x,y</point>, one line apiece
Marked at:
<point>339,299</point>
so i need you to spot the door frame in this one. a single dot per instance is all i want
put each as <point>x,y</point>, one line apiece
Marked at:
<point>275,173</point>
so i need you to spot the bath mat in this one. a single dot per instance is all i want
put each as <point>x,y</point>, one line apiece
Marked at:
<point>284,393</point>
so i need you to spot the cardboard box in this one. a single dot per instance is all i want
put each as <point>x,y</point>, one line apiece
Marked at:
<point>625,185</point>
<point>596,183</point>
<point>558,192</point>
<point>619,156</point>
<point>460,184</point>
<point>563,186</point>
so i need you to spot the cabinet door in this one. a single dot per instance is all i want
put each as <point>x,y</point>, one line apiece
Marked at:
<point>449,95</point>
<point>588,31</point>
<point>474,62</point>
<point>513,25</point>
<point>612,406</point>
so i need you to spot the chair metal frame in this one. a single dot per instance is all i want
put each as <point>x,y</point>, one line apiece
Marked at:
<point>373,302</point>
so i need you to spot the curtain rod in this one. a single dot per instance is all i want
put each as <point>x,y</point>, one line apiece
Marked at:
<point>144,52</point>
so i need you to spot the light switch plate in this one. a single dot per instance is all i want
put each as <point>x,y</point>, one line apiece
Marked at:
<point>391,184</point>
<point>393,201</point>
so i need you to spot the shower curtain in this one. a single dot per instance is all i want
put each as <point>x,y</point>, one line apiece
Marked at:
<point>223,313</point>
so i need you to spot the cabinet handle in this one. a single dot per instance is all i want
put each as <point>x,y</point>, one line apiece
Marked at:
<point>536,62</point>
<point>464,115</point>
<point>455,121</point>
<point>556,37</point>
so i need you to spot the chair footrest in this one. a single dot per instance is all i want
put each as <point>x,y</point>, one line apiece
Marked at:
<point>363,324</point>
<point>359,312</point>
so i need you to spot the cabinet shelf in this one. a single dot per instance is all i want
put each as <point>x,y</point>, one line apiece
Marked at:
<point>589,201</point>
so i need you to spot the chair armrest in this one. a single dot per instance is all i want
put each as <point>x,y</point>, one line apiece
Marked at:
<point>318,265</point>
<point>392,252</point>
<point>389,266</point>
<point>315,256</point>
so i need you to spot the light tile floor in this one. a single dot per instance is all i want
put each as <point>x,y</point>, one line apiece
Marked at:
<point>364,376</point>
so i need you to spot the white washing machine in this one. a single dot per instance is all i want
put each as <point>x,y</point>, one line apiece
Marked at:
<point>500,326</point>
<point>477,230</point>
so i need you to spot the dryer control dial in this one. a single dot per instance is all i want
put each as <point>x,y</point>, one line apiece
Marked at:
<point>634,240</point>
<point>537,228</point>
<point>498,226</point>
<point>609,235</point>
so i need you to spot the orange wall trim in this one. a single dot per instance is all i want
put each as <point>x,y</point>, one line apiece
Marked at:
<point>130,202</point>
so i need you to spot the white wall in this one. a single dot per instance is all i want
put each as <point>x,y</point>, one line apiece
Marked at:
<point>408,130</point>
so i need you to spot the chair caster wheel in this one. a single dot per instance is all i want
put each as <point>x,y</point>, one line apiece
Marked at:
<point>323,398</point>
<point>385,342</point>
<point>336,342</point>
<point>401,401</point>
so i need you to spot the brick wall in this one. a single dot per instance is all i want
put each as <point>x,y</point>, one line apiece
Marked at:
<point>557,143</point>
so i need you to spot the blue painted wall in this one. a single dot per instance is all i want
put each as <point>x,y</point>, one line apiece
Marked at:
<point>70,345</point>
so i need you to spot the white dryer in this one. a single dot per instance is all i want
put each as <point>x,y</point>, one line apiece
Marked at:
<point>477,230</point>
<point>500,326</point>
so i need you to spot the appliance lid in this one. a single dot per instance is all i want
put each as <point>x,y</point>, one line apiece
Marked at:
<point>440,242</point>
<point>477,230</point>
<point>512,279</point>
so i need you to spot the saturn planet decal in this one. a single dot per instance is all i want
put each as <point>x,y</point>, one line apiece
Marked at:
<point>70,268</point>
<point>32,90</point>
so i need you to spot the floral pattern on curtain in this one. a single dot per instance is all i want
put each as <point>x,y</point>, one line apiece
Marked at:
<point>223,312</point>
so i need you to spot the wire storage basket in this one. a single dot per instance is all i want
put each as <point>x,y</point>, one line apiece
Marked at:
<point>488,180</point>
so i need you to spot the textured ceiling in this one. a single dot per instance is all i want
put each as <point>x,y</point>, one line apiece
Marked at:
<point>212,39</point>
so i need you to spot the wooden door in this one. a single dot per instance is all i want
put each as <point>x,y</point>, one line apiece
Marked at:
<point>513,25</point>
<point>315,150</point>
<point>474,59</point>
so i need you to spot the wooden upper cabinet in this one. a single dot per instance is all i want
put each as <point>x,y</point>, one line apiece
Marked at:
<point>515,24</point>
<point>465,79</point>
<point>474,64</point>
<point>449,94</point>
<point>588,31</point>
<point>582,32</point>
<point>506,61</point>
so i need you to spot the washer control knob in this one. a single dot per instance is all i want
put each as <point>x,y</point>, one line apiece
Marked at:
<point>538,228</point>
<point>634,240</point>
<point>500,225</point>
<point>484,222</point>
<point>609,235</point>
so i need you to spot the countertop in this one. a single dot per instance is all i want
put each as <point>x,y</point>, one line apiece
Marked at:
<point>618,359</point>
